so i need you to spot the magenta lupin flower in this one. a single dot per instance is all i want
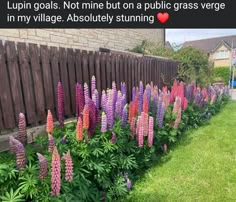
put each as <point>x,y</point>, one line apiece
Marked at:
<point>150,131</point>
<point>86,93</point>
<point>51,143</point>
<point>56,173</point>
<point>104,101</point>
<point>104,123</point>
<point>22,135</point>
<point>94,117</point>
<point>43,166</point>
<point>93,84</point>
<point>68,166</point>
<point>20,153</point>
<point>113,138</point>
<point>60,104</point>
<point>109,108</point>
<point>79,95</point>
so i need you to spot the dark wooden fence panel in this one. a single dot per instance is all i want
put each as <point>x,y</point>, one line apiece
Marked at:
<point>29,76</point>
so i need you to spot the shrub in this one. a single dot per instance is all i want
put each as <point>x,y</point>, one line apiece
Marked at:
<point>222,73</point>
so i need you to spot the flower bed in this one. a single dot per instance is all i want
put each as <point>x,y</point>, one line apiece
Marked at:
<point>98,157</point>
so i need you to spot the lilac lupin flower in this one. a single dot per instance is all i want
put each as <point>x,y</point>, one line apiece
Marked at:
<point>113,138</point>
<point>148,92</point>
<point>104,123</point>
<point>86,93</point>
<point>124,117</point>
<point>93,84</point>
<point>118,109</point>
<point>43,166</point>
<point>160,113</point>
<point>133,93</point>
<point>128,183</point>
<point>60,104</point>
<point>114,95</point>
<point>97,97</point>
<point>140,99</point>
<point>63,140</point>
<point>154,105</point>
<point>104,101</point>
<point>79,96</point>
<point>94,99</point>
<point>110,112</point>
<point>20,153</point>
<point>123,88</point>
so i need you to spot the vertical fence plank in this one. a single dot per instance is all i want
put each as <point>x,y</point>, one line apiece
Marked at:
<point>54,57</point>
<point>27,83</point>
<point>14,76</point>
<point>121,67</point>
<point>113,67</point>
<point>85,69</point>
<point>64,80</point>
<point>126,77</point>
<point>103,70</point>
<point>91,64</point>
<point>47,81</point>
<point>38,82</point>
<point>7,113</point>
<point>118,71</point>
<point>78,67</point>
<point>72,77</point>
<point>98,72</point>
<point>108,70</point>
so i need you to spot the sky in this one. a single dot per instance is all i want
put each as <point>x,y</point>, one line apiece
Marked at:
<point>179,36</point>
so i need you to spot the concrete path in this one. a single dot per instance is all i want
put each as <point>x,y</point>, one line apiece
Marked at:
<point>233,94</point>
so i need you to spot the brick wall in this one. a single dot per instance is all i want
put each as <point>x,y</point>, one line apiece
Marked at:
<point>92,39</point>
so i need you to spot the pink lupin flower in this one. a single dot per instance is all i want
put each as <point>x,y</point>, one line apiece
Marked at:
<point>68,166</point>
<point>60,104</point>
<point>145,123</point>
<point>113,138</point>
<point>104,123</point>
<point>178,119</point>
<point>185,104</point>
<point>150,132</point>
<point>140,137</point>
<point>20,153</point>
<point>56,173</point>
<point>22,135</point>
<point>51,143</point>
<point>43,166</point>
<point>86,93</point>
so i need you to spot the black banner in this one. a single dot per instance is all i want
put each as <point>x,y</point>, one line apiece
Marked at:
<point>117,14</point>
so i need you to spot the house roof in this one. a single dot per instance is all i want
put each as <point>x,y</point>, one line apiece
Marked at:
<point>168,45</point>
<point>210,44</point>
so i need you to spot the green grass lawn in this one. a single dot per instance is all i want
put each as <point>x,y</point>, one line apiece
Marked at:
<point>202,167</point>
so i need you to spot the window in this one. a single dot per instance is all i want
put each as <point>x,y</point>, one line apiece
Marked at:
<point>222,54</point>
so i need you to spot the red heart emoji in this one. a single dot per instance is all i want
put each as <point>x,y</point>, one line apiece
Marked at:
<point>163,17</point>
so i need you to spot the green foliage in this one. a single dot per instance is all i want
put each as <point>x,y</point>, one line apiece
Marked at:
<point>222,74</point>
<point>194,65</point>
<point>99,164</point>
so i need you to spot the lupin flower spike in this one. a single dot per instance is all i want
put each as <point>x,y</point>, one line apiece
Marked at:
<point>49,127</point>
<point>86,117</point>
<point>79,130</point>
<point>56,173</point>
<point>93,84</point>
<point>60,104</point>
<point>68,166</point>
<point>43,166</point>
<point>22,135</point>
<point>104,123</point>
<point>51,143</point>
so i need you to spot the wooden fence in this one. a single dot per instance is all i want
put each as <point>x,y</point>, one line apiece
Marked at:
<point>29,75</point>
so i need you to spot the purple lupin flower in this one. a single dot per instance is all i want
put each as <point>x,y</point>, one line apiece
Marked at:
<point>104,123</point>
<point>97,98</point>
<point>86,93</point>
<point>133,93</point>
<point>60,104</point>
<point>110,112</point>
<point>93,84</point>
<point>124,117</point>
<point>63,140</point>
<point>114,95</point>
<point>22,135</point>
<point>79,95</point>
<point>104,101</point>
<point>118,108</point>
<point>20,153</point>
<point>123,88</point>
<point>140,99</point>
<point>94,99</point>
<point>160,113</point>
<point>128,181</point>
<point>154,104</point>
<point>113,138</point>
<point>51,143</point>
<point>148,92</point>
<point>43,166</point>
